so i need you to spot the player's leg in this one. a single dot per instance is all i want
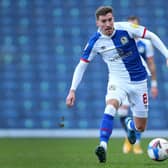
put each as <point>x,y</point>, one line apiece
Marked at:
<point>139,107</point>
<point>137,149</point>
<point>113,99</point>
<point>106,128</point>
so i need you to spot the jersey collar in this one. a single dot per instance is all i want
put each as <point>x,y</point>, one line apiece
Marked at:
<point>103,35</point>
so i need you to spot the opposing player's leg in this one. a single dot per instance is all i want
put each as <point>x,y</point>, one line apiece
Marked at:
<point>137,149</point>
<point>123,113</point>
<point>131,132</point>
<point>127,146</point>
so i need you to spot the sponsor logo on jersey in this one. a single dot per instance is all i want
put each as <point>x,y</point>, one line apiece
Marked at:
<point>104,49</point>
<point>120,55</point>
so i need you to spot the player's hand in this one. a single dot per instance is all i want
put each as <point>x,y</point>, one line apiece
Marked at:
<point>154,92</point>
<point>70,98</point>
<point>167,62</point>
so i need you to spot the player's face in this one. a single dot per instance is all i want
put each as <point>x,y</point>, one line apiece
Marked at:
<point>106,23</point>
<point>134,21</point>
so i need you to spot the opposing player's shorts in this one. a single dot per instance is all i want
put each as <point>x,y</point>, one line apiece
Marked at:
<point>136,92</point>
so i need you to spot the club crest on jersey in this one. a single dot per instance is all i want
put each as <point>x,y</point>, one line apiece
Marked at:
<point>112,87</point>
<point>124,40</point>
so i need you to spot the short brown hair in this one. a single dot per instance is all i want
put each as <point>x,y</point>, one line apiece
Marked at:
<point>132,18</point>
<point>103,10</point>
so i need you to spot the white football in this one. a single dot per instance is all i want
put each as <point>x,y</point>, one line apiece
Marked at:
<point>158,149</point>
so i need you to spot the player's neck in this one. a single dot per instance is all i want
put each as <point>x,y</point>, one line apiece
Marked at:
<point>108,35</point>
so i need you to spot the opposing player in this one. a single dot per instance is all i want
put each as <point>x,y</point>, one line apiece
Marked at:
<point>146,51</point>
<point>115,43</point>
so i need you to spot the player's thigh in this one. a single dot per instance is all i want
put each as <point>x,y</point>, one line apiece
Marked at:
<point>115,94</point>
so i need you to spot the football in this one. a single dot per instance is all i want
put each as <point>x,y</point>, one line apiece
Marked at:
<point>158,149</point>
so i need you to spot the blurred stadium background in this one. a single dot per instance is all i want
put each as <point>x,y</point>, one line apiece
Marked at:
<point>41,43</point>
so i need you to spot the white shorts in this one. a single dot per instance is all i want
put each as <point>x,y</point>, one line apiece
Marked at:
<point>136,93</point>
<point>125,102</point>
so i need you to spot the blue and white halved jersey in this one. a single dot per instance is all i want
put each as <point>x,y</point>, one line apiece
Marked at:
<point>119,51</point>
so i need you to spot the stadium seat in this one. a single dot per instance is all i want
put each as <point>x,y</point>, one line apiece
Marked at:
<point>41,43</point>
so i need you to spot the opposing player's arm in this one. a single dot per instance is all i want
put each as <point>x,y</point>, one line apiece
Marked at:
<point>151,65</point>
<point>152,68</point>
<point>150,60</point>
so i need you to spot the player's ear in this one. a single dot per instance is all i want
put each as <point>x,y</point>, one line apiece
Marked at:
<point>97,23</point>
<point>113,19</point>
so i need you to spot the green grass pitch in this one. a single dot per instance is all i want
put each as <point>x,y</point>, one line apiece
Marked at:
<point>70,153</point>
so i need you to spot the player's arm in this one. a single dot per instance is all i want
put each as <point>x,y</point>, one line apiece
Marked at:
<point>157,43</point>
<point>142,32</point>
<point>152,68</point>
<point>88,54</point>
<point>78,74</point>
<point>77,77</point>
